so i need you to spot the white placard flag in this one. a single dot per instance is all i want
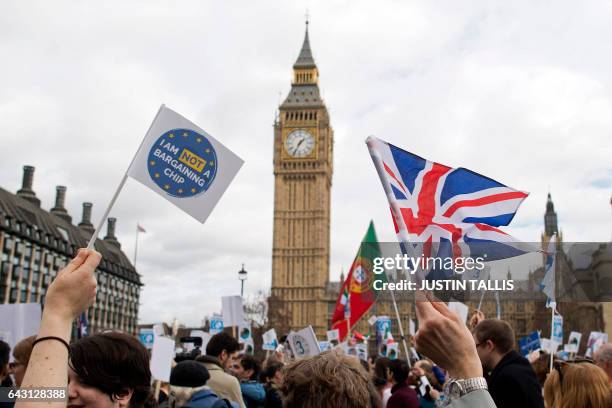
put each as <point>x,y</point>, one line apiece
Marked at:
<point>304,343</point>
<point>231,309</point>
<point>18,321</point>
<point>574,341</point>
<point>270,341</point>
<point>333,336</point>
<point>161,358</point>
<point>184,164</point>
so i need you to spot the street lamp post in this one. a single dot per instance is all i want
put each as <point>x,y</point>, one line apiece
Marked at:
<point>242,275</point>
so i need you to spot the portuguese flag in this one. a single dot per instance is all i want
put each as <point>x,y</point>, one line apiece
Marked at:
<point>357,294</point>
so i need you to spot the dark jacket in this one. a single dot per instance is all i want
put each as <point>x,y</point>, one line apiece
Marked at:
<point>402,396</point>
<point>513,383</point>
<point>273,399</point>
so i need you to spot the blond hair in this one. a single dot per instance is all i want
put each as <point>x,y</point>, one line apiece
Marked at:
<point>583,385</point>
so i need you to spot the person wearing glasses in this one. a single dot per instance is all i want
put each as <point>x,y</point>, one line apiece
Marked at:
<point>577,384</point>
<point>511,379</point>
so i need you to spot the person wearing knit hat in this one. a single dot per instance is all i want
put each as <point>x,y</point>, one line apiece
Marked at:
<point>188,388</point>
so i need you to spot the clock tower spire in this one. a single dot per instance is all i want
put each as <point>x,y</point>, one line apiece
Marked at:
<point>303,167</point>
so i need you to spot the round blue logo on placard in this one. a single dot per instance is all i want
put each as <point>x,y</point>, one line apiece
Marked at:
<point>183,163</point>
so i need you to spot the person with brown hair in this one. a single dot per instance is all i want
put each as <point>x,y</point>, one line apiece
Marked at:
<point>329,380</point>
<point>578,384</point>
<point>109,370</point>
<point>21,357</point>
<point>383,386</point>
<point>271,377</point>
<point>511,379</point>
<point>402,395</point>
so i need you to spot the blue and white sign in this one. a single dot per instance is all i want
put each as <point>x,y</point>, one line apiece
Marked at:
<point>270,342</point>
<point>529,343</point>
<point>147,337</point>
<point>187,166</point>
<point>383,328</point>
<point>216,325</point>
<point>182,162</point>
<point>557,329</point>
<point>324,346</point>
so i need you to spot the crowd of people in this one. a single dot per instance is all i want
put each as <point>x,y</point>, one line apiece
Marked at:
<point>472,365</point>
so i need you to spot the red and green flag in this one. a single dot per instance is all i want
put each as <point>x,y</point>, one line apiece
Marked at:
<point>357,294</point>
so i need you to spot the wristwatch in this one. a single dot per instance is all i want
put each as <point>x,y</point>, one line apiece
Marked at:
<point>457,388</point>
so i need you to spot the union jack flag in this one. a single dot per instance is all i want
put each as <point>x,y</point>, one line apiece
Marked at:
<point>445,211</point>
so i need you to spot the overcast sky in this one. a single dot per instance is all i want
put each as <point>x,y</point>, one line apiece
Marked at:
<point>519,91</point>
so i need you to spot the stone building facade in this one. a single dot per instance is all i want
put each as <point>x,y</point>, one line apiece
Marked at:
<point>36,244</point>
<point>303,167</point>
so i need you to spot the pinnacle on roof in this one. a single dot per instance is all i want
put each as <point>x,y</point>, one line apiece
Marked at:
<point>305,59</point>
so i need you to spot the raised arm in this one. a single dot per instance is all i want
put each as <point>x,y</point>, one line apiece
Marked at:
<point>72,292</point>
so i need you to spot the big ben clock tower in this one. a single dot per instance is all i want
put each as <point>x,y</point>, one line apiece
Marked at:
<point>303,141</point>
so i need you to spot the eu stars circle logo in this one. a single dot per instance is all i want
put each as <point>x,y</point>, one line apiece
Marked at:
<point>182,162</point>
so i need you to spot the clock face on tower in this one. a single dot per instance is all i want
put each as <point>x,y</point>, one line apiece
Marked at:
<point>299,143</point>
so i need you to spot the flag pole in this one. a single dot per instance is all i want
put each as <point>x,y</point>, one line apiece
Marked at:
<point>552,325</point>
<point>90,245</point>
<point>136,245</point>
<point>348,327</point>
<point>401,329</point>
<point>480,302</point>
<point>397,216</point>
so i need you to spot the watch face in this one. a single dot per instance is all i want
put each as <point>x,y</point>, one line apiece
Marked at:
<point>299,143</point>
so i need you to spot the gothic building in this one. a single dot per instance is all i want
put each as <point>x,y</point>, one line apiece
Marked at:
<point>36,244</point>
<point>303,167</point>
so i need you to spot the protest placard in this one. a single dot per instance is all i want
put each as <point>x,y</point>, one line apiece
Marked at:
<point>231,310</point>
<point>161,358</point>
<point>147,337</point>
<point>18,321</point>
<point>557,329</point>
<point>392,351</point>
<point>573,342</point>
<point>244,333</point>
<point>595,341</point>
<point>304,343</point>
<point>184,164</point>
<point>216,325</point>
<point>333,337</point>
<point>529,343</point>
<point>270,341</point>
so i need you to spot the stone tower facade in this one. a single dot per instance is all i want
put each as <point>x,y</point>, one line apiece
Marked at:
<point>303,167</point>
